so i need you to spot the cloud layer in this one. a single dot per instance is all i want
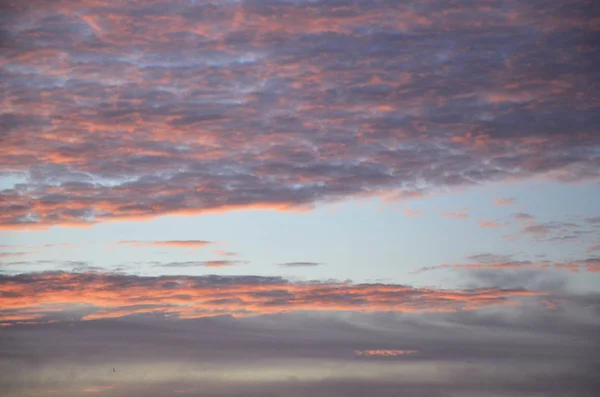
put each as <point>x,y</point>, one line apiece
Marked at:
<point>47,296</point>
<point>284,104</point>
<point>527,351</point>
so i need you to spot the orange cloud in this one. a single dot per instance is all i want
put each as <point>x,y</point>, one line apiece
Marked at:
<point>35,297</point>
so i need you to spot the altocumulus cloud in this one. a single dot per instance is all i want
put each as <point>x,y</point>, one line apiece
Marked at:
<point>284,104</point>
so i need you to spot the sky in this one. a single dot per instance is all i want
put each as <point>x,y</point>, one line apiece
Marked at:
<point>290,198</point>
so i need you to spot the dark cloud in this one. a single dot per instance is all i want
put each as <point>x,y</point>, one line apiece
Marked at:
<point>284,104</point>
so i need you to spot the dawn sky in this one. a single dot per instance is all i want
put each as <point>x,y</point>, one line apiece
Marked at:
<point>300,198</point>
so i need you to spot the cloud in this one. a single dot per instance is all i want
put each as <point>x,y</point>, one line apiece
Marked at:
<point>575,266</point>
<point>108,118</point>
<point>526,350</point>
<point>300,264</point>
<point>191,244</point>
<point>593,248</point>
<point>410,212</point>
<point>384,353</point>
<point>505,201</point>
<point>217,263</point>
<point>116,295</point>
<point>489,258</point>
<point>455,215</point>
<point>551,231</point>
<point>12,254</point>
<point>489,224</point>
<point>522,216</point>
<point>97,389</point>
<point>225,253</point>
<point>594,220</point>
